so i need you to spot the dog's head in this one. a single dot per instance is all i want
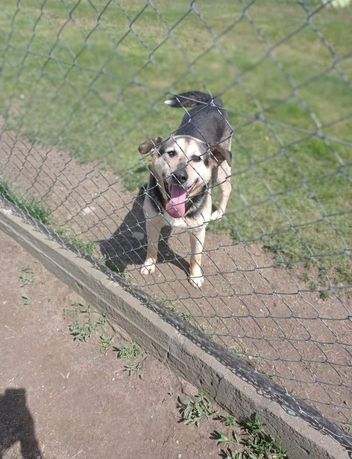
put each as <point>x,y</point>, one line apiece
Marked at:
<point>182,166</point>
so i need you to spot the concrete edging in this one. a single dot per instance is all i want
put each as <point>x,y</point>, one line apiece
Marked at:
<point>167,344</point>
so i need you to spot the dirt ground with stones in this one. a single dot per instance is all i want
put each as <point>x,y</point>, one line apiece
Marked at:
<point>63,399</point>
<point>260,311</point>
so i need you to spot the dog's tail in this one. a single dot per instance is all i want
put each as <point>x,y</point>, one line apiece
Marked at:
<point>189,99</point>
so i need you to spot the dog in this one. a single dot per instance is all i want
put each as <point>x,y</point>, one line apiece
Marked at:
<point>185,167</point>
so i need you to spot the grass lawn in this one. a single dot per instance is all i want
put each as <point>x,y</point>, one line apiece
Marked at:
<point>77,75</point>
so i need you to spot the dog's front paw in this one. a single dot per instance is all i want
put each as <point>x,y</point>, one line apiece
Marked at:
<point>148,267</point>
<point>196,276</point>
<point>196,281</point>
<point>216,215</point>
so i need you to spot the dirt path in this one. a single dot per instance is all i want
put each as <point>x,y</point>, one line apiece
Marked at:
<point>248,304</point>
<point>68,400</point>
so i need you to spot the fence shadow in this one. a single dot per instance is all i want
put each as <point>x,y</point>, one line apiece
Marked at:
<point>17,425</point>
<point>128,245</point>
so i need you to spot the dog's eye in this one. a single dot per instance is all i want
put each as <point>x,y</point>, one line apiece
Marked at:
<point>196,159</point>
<point>171,153</point>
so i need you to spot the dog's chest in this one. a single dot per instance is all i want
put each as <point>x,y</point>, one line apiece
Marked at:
<point>175,222</point>
<point>184,222</point>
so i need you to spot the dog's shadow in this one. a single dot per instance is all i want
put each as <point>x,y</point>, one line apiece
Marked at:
<point>128,245</point>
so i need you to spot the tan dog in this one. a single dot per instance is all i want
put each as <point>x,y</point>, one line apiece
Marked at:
<point>185,168</point>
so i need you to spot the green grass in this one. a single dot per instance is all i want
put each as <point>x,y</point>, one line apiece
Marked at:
<point>28,205</point>
<point>36,210</point>
<point>99,94</point>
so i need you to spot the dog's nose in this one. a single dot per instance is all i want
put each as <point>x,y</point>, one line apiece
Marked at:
<point>180,176</point>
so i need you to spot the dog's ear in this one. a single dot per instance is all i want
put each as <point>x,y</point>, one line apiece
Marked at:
<point>220,154</point>
<point>149,145</point>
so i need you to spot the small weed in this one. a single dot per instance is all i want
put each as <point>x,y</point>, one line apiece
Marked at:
<point>134,356</point>
<point>82,331</point>
<point>195,410</point>
<point>105,342</point>
<point>228,454</point>
<point>324,294</point>
<point>26,300</point>
<point>134,368</point>
<point>191,320</point>
<point>263,446</point>
<point>304,277</point>
<point>27,276</point>
<point>227,420</point>
<point>102,260</point>
<point>82,308</point>
<point>101,321</point>
<point>312,286</point>
<point>254,443</point>
<point>186,316</point>
<point>129,351</point>
<point>82,247</point>
<point>322,273</point>
<point>225,440</point>
<point>253,425</point>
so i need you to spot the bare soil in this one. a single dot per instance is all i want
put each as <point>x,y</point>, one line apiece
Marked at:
<point>63,399</point>
<point>260,311</point>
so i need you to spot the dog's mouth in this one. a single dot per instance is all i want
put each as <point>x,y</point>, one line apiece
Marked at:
<point>178,195</point>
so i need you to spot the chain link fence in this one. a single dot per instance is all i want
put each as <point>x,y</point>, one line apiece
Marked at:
<point>83,84</point>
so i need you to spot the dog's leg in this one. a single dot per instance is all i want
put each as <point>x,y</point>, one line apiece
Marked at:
<point>223,180</point>
<point>153,227</point>
<point>154,223</point>
<point>197,237</point>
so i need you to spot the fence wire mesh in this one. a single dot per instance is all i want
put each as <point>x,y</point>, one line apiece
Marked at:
<point>83,84</point>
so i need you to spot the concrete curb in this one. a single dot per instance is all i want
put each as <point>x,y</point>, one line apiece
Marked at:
<point>167,344</point>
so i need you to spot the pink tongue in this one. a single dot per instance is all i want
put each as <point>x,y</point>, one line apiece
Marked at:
<point>176,207</point>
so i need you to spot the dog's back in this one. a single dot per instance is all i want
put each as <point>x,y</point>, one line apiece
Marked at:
<point>207,120</point>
